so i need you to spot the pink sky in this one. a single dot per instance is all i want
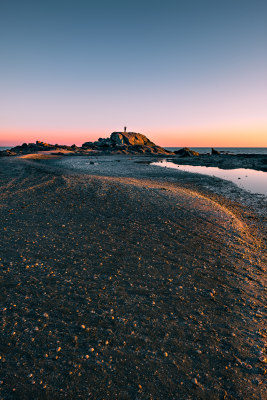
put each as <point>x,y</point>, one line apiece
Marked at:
<point>227,137</point>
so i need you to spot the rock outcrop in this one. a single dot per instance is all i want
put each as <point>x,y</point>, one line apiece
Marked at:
<point>186,152</point>
<point>126,142</point>
<point>117,143</point>
<point>131,139</point>
<point>29,148</point>
<point>215,152</point>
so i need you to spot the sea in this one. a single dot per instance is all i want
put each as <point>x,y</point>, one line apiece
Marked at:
<point>203,150</point>
<point>231,150</point>
<point>4,148</point>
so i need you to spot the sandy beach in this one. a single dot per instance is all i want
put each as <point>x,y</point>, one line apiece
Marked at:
<point>120,280</point>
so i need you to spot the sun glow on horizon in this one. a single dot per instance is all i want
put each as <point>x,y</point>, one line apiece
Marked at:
<point>253,137</point>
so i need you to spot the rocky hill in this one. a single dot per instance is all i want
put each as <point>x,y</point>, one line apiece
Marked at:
<point>117,143</point>
<point>126,142</point>
<point>131,139</point>
<point>30,148</point>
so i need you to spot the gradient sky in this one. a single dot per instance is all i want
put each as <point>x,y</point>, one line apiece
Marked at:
<point>184,72</point>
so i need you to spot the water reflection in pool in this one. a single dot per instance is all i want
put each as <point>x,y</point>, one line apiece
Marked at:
<point>248,179</point>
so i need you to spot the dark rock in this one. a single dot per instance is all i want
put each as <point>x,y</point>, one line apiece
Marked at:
<point>186,152</point>
<point>87,145</point>
<point>6,153</point>
<point>215,152</point>
<point>118,142</point>
<point>33,148</point>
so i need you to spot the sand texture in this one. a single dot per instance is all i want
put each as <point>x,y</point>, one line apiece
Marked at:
<point>127,284</point>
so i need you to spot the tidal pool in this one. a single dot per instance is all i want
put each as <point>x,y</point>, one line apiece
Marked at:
<point>248,179</point>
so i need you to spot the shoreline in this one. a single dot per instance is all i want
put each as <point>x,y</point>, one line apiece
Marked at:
<point>127,281</point>
<point>223,160</point>
<point>257,162</point>
<point>142,167</point>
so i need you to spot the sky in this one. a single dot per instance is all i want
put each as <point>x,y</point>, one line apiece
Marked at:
<point>182,72</point>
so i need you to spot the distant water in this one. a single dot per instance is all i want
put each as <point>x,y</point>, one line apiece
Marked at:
<point>233,150</point>
<point>4,148</point>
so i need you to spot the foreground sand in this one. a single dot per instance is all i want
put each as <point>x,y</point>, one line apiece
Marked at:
<point>122,287</point>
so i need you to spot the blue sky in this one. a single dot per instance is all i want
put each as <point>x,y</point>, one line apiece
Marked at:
<point>174,70</point>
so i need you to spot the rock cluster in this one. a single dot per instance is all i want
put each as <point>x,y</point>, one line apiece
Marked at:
<point>186,152</point>
<point>28,148</point>
<point>126,142</point>
<point>118,142</point>
<point>215,152</point>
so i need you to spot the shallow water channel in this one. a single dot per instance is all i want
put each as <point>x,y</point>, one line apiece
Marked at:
<point>248,179</point>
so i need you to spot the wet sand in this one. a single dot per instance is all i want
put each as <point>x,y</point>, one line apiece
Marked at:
<point>120,281</point>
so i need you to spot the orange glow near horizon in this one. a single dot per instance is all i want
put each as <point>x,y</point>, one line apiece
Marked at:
<point>212,138</point>
<point>166,138</point>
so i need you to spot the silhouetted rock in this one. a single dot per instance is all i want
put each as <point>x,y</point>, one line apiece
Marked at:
<point>186,152</point>
<point>118,142</point>
<point>87,145</point>
<point>29,148</point>
<point>215,152</point>
<point>6,153</point>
